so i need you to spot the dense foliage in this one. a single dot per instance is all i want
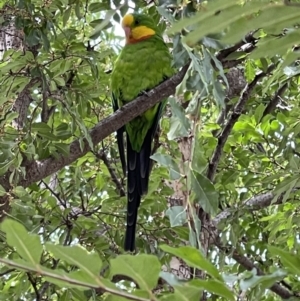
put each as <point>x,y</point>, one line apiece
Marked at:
<point>220,221</point>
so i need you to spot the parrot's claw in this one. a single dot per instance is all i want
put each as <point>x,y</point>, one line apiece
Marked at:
<point>144,93</point>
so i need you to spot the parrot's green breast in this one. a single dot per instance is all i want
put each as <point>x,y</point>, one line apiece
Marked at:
<point>140,67</point>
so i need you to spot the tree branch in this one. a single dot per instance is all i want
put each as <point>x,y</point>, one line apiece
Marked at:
<point>255,203</point>
<point>39,169</point>
<point>249,265</point>
<point>102,156</point>
<point>237,112</point>
<point>22,103</point>
<point>223,54</point>
<point>275,100</point>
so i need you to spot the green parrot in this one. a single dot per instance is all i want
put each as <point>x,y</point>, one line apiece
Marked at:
<point>143,63</point>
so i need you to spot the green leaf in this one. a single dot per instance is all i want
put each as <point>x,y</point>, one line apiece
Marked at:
<point>78,11</point>
<point>111,297</point>
<point>203,16</point>
<point>63,131</point>
<point>20,191</point>
<point>88,263</point>
<point>188,292</point>
<point>259,113</point>
<point>167,161</point>
<point>171,278</point>
<point>219,94</point>
<point>177,215</point>
<point>183,291</point>
<point>249,71</point>
<point>43,130</point>
<point>33,36</point>
<point>179,124</point>
<point>98,6</point>
<point>62,148</point>
<point>28,246</point>
<point>59,81</point>
<point>271,18</point>
<point>233,13</point>
<point>215,287</point>
<point>289,260</point>
<point>2,191</point>
<point>5,165</point>
<point>270,46</point>
<point>63,279</point>
<point>77,279</point>
<point>98,22</point>
<point>67,15</point>
<point>285,187</point>
<point>103,25</point>
<point>204,193</point>
<point>19,84</point>
<point>134,268</point>
<point>199,161</point>
<point>265,281</point>
<point>193,258</point>
<point>77,294</point>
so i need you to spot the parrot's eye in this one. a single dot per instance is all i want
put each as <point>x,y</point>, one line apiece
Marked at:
<point>137,22</point>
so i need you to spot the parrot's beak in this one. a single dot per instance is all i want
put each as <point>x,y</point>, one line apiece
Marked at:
<point>127,31</point>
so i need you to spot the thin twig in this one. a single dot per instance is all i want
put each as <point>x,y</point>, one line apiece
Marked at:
<point>275,100</point>
<point>102,156</point>
<point>33,284</point>
<point>7,272</point>
<point>57,196</point>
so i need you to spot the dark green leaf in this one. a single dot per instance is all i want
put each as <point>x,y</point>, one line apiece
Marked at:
<point>28,246</point>
<point>193,258</point>
<point>177,215</point>
<point>204,193</point>
<point>134,268</point>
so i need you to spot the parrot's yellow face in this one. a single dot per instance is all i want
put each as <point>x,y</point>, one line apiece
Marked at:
<point>137,28</point>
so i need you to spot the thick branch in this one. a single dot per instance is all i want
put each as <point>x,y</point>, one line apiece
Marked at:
<point>255,203</point>
<point>237,112</point>
<point>22,103</point>
<point>38,170</point>
<point>249,265</point>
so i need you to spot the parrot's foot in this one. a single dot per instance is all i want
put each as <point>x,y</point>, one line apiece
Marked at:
<point>144,93</point>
